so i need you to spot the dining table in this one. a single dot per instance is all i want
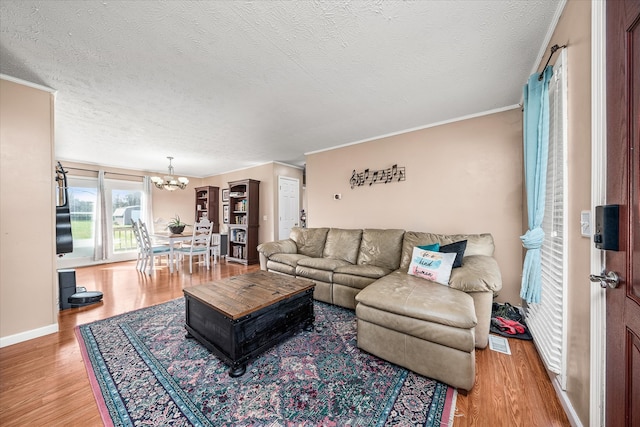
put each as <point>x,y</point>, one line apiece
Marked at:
<point>172,240</point>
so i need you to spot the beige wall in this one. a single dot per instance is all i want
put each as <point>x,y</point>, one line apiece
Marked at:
<point>574,30</point>
<point>462,177</point>
<point>28,302</point>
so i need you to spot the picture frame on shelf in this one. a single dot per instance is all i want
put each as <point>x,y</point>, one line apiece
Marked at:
<point>225,214</point>
<point>225,194</point>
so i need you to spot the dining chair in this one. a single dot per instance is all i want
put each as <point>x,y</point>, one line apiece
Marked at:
<point>200,244</point>
<point>140,246</point>
<point>149,250</point>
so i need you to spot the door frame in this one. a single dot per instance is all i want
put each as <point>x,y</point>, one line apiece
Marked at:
<point>598,197</point>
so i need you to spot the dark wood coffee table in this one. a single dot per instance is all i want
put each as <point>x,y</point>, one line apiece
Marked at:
<point>240,317</point>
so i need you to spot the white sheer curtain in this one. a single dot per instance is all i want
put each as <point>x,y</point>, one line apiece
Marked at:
<point>147,201</point>
<point>101,251</point>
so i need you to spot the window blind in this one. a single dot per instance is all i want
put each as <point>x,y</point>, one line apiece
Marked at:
<point>547,320</point>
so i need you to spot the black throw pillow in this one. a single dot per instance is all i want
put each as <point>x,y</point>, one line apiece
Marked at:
<point>458,248</point>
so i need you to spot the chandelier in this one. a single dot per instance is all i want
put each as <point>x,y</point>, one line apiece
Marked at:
<point>169,182</point>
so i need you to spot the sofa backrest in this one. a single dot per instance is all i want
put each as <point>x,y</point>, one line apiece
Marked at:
<point>310,241</point>
<point>477,244</point>
<point>381,248</point>
<point>342,244</point>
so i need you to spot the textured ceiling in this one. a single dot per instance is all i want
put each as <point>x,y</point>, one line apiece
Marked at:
<point>223,85</point>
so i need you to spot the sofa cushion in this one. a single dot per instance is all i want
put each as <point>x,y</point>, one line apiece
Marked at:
<point>480,273</point>
<point>372,271</point>
<point>411,296</point>
<point>281,268</point>
<point>381,248</point>
<point>434,266</point>
<point>358,276</point>
<point>477,244</point>
<point>319,268</point>
<point>342,244</point>
<point>287,259</point>
<point>315,274</point>
<point>352,281</point>
<point>327,264</point>
<point>309,241</point>
<point>457,248</point>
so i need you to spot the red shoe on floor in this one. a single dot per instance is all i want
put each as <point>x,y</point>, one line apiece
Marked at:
<point>499,324</point>
<point>516,326</point>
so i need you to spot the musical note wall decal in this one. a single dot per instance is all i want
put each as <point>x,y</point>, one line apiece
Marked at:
<point>381,176</point>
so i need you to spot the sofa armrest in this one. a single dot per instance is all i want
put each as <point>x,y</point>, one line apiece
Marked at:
<point>287,246</point>
<point>479,273</point>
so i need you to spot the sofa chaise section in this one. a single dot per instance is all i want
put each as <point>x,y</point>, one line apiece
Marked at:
<point>420,325</point>
<point>479,275</point>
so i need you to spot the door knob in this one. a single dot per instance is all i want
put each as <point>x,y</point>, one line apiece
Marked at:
<point>611,279</point>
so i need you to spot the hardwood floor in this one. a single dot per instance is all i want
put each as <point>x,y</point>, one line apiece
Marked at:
<point>43,382</point>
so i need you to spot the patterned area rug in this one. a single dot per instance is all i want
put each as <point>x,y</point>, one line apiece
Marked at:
<point>144,371</point>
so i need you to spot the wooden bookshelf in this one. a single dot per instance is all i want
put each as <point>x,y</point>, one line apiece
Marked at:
<point>207,205</point>
<point>244,216</point>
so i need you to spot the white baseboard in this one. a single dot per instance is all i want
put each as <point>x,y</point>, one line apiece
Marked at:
<point>566,403</point>
<point>28,335</point>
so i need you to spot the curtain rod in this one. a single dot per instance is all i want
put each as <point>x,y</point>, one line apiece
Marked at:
<point>112,173</point>
<point>554,48</point>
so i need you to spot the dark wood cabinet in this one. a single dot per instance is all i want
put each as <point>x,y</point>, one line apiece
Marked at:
<point>207,205</point>
<point>244,216</point>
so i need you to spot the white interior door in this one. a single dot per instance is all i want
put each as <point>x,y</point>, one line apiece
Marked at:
<point>288,205</point>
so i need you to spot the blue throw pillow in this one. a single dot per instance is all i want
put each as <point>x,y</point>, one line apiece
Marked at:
<point>458,248</point>
<point>434,247</point>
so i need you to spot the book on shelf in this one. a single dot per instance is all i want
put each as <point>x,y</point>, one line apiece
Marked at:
<point>238,251</point>
<point>240,206</point>
<point>239,236</point>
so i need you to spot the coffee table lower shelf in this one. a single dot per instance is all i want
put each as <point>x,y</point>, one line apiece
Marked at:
<point>237,341</point>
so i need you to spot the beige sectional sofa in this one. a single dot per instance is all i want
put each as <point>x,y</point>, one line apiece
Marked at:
<point>430,328</point>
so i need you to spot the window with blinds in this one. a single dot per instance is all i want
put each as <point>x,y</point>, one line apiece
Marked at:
<point>547,320</point>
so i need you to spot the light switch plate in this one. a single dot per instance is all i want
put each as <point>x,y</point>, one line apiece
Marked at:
<point>585,223</point>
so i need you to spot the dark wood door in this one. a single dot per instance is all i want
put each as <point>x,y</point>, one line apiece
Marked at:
<point>623,187</point>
